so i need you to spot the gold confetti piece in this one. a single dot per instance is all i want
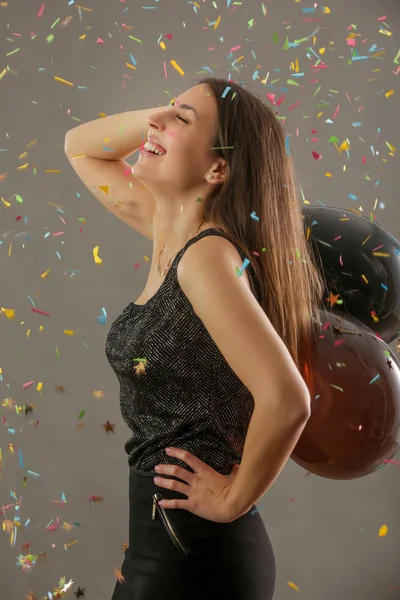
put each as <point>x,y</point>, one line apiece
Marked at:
<point>328,174</point>
<point>365,279</point>
<point>177,67</point>
<point>39,386</point>
<point>104,188</point>
<point>68,332</point>
<point>21,167</point>
<point>162,45</point>
<point>383,531</point>
<point>84,8</point>
<point>389,93</point>
<point>9,312</point>
<point>62,80</point>
<point>43,275</point>
<point>96,257</point>
<point>293,586</point>
<point>217,22</point>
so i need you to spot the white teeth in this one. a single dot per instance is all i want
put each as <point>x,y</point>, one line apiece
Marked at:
<point>152,148</point>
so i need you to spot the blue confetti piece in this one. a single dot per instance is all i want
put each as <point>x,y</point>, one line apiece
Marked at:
<point>353,197</point>
<point>287,145</point>
<point>245,264</point>
<point>375,378</point>
<point>384,287</point>
<point>33,473</point>
<point>255,75</point>
<point>308,10</point>
<point>134,62</point>
<point>21,460</point>
<point>225,92</point>
<point>103,318</point>
<point>359,58</point>
<point>357,124</point>
<point>254,216</point>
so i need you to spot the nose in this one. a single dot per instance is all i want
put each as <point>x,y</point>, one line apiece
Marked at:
<point>156,120</point>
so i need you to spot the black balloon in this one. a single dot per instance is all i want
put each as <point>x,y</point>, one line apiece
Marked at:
<point>354,383</point>
<point>360,262</point>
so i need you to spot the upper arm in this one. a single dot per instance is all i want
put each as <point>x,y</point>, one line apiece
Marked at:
<point>122,194</point>
<point>237,323</point>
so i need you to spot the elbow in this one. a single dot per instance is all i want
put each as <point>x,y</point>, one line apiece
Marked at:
<point>304,405</point>
<point>67,143</point>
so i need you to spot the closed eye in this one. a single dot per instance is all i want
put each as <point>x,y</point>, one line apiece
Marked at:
<point>182,119</point>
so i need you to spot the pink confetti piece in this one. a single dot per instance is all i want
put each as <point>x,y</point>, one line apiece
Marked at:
<point>392,462</point>
<point>279,102</point>
<point>295,104</point>
<point>351,41</point>
<point>316,155</point>
<point>165,70</point>
<point>29,383</point>
<point>336,111</point>
<point>100,41</point>
<point>40,11</point>
<point>381,18</point>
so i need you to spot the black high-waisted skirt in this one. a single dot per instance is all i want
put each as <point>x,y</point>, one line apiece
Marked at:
<point>176,555</point>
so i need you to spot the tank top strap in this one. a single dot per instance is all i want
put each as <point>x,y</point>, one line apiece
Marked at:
<point>205,233</point>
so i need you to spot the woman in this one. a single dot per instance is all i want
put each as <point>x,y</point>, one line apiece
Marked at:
<point>209,358</point>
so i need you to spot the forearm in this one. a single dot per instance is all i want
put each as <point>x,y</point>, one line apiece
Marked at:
<point>110,138</point>
<point>271,438</point>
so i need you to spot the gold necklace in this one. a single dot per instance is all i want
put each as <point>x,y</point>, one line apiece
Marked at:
<point>162,273</point>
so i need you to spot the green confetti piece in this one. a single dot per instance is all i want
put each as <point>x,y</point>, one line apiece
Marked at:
<point>18,198</point>
<point>58,353</point>
<point>333,139</point>
<point>81,414</point>
<point>292,82</point>
<point>275,37</point>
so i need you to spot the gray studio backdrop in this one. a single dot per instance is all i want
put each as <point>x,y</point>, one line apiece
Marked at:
<point>116,55</point>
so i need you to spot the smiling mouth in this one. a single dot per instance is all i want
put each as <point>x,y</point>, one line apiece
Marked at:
<point>153,149</point>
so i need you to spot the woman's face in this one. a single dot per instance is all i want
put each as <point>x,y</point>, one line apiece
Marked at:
<point>186,131</point>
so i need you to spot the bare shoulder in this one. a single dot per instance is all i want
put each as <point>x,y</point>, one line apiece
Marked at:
<point>235,320</point>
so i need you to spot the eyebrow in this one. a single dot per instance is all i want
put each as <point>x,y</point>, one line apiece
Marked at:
<point>186,107</point>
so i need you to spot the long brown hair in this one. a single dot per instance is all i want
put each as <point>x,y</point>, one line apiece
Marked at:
<point>261,181</point>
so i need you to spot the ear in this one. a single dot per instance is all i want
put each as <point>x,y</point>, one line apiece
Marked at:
<point>218,172</point>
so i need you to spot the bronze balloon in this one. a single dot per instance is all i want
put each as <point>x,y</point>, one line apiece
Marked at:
<point>354,382</point>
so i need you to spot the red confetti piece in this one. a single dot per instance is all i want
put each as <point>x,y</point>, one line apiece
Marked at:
<point>41,312</point>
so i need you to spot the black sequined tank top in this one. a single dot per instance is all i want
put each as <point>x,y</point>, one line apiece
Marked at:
<point>176,388</point>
